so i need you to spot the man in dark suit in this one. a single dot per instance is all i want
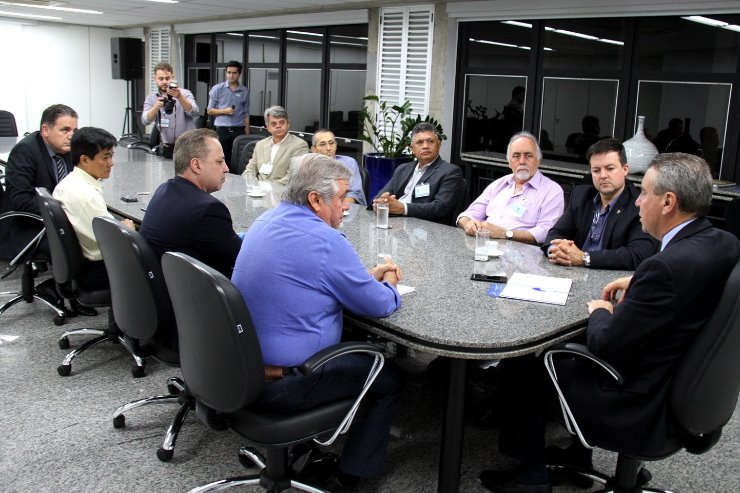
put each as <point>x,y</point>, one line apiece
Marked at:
<point>600,227</point>
<point>41,159</point>
<point>659,311</point>
<point>182,216</point>
<point>429,188</point>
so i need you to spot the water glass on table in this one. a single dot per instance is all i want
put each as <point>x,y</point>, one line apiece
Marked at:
<point>481,245</point>
<point>381,215</point>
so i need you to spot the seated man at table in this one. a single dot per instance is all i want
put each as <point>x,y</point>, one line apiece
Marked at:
<point>600,227</point>
<point>429,188</point>
<point>271,157</point>
<point>295,256</point>
<point>659,311</point>
<point>324,142</point>
<point>521,206</point>
<point>81,196</point>
<point>183,216</point>
<point>41,159</point>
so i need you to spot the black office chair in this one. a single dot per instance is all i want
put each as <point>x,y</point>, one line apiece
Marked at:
<point>66,256</point>
<point>463,200</point>
<point>238,163</point>
<point>143,313</point>
<point>732,217</point>
<point>365,183</point>
<point>8,128</point>
<point>702,395</point>
<point>221,360</point>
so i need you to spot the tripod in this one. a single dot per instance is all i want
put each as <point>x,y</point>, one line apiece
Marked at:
<point>129,115</point>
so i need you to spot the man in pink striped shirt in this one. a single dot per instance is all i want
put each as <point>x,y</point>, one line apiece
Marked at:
<point>522,206</point>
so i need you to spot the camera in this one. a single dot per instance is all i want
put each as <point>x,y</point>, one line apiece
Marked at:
<point>169,103</point>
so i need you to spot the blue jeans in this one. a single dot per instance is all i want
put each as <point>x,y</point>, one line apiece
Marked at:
<point>341,378</point>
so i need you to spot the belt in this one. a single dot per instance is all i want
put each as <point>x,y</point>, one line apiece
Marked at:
<point>273,373</point>
<point>232,129</point>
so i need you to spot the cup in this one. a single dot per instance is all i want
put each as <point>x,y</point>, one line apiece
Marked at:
<point>381,216</point>
<point>383,246</point>
<point>481,245</point>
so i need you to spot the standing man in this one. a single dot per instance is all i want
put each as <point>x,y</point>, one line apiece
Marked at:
<point>522,206</point>
<point>229,103</point>
<point>271,158</point>
<point>324,142</point>
<point>81,196</point>
<point>601,227</point>
<point>172,108</point>
<point>296,302</point>
<point>660,310</point>
<point>429,188</point>
<point>41,159</point>
<point>183,216</point>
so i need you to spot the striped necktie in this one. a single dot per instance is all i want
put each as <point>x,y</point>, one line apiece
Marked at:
<point>61,167</point>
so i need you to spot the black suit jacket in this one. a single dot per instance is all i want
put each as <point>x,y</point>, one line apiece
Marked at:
<point>625,245</point>
<point>446,190</point>
<point>181,217</point>
<point>670,298</point>
<point>29,166</point>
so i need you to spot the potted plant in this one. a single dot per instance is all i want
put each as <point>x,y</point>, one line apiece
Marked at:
<point>388,131</point>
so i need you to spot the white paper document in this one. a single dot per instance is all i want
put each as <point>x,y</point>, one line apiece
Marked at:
<point>543,289</point>
<point>403,289</point>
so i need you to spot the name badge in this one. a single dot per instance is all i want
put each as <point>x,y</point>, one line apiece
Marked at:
<point>421,190</point>
<point>518,210</point>
<point>266,168</point>
<point>164,122</point>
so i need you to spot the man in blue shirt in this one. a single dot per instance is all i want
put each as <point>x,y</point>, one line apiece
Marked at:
<point>229,103</point>
<point>296,272</point>
<point>324,142</point>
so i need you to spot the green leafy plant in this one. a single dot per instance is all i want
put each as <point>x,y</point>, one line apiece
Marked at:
<point>389,129</point>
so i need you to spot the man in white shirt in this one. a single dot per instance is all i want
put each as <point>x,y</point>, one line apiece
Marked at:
<point>81,196</point>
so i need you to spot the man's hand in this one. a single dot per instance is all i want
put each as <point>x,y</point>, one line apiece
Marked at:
<point>174,92</point>
<point>129,223</point>
<point>394,205</point>
<point>496,231</point>
<point>594,304</point>
<point>159,104</point>
<point>617,289</point>
<point>387,271</point>
<point>469,225</point>
<point>564,252</point>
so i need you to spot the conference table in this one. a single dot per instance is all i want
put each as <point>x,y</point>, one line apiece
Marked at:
<point>447,314</point>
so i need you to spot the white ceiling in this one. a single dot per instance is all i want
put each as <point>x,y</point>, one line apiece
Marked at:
<point>135,13</point>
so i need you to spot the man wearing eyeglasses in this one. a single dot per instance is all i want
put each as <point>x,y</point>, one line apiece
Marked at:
<point>522,206</point>
<point>601,227</point>
<point>324,142</point>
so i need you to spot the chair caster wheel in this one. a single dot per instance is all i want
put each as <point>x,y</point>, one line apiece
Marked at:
<point>64,370</point>
<point>59,320</point>
<point>119,421</point>
<point>138,371</point>
<point>164,455</point>
<point>64,343</point>
<point>245,461</point>
<point>173,389</point>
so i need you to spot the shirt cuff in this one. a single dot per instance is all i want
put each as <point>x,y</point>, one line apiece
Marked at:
<point>405,209</point>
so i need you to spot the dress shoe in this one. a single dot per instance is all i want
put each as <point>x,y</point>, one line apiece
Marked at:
<point>573,457</point>
<point>81,309</point>
<point>508,482</point>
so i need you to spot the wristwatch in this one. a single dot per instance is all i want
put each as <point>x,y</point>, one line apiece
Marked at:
<point>586,259</point>
<point>509,234</point>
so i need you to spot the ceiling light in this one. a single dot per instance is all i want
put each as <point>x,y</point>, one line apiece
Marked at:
<point>50,7</point>
<point>705,20</point>
<point>163,1</point>
<point>517,23</point>
<point>732,27</point>
<point>32,16</point>
<point>235,34</point>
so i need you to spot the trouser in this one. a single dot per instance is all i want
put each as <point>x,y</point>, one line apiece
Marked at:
<point>343,377</point>
<point>226,136</point>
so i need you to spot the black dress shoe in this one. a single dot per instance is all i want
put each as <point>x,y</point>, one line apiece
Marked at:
<point>507,482</point>
<point>573,457</point>
<point>80,309</point>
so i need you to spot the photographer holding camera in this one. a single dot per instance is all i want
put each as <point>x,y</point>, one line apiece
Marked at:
<point>171,108</point>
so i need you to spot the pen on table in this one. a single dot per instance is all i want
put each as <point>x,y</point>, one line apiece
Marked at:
<point>543,290</point>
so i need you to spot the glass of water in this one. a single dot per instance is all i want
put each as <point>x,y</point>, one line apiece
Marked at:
<point>481,245</point>
<point>381,216</point>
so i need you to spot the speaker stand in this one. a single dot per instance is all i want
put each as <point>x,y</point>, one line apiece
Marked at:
<point>129,115</point>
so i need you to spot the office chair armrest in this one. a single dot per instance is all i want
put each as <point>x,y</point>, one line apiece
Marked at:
<point>15,214</point>
<point>581,351</point>
<point>30,248</point>
<point>316,361</point>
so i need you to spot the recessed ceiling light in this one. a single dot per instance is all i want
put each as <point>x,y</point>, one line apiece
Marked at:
<point>163,1</point>
<point>50,7</point>
<point>705,20</point>
<point>32,16</point>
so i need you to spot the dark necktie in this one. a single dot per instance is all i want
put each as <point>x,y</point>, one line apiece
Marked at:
<point>61,167</point>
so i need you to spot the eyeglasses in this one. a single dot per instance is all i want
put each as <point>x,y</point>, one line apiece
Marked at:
<point>328,143</point>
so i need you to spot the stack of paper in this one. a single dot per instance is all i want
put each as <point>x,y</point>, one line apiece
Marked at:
<point>542,289</point>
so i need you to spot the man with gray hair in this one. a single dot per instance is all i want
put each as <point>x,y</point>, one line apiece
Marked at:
<point>428,188</point>
<point>183,216</point>
<point>643,326</point>
<point>271,157</point>
<point>297,272</point>
<point>521,206</point>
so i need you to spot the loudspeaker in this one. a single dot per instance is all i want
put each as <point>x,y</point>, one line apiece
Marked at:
<point>127,58</point>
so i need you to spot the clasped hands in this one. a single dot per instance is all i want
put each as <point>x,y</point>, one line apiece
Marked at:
<point>387,271</point>
<point>564,252</point>
<point>395,206</point>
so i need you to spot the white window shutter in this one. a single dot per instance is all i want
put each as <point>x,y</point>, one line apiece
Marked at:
<point>159,50</point>
<point>404,55</point>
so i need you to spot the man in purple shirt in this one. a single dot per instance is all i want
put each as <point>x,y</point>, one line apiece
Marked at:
<point>522,206</point>
<point>296,272</point>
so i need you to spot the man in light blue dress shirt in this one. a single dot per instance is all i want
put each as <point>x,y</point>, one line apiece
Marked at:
<point>228,102</point>
<point>324,142</point>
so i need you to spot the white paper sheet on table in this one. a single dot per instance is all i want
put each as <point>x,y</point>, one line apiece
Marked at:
<point>403,289</point>
<point>542,289</point>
